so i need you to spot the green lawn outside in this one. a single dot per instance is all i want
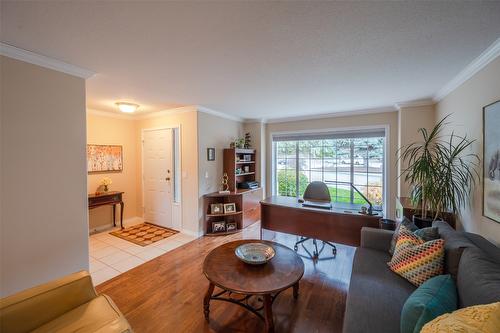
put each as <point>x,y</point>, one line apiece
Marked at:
<point>287,187</point>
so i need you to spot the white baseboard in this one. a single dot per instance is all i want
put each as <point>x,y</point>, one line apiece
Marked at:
<point>126,223</point>
<point>132,221</point>
<point>100,229</point>
<point>192,233</point>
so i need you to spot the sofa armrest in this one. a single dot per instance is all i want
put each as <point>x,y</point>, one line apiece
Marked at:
<point>31,308</point>
<point>376,239</point>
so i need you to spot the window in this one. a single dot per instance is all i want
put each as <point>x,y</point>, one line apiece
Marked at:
<point>334,158</point>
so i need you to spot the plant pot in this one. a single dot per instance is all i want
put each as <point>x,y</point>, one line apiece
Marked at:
<point>421,222</point>
<point>387,224</point>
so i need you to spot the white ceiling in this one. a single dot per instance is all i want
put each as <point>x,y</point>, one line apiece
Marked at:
<point>255,59</point>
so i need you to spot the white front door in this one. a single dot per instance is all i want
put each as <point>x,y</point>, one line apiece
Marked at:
<point>158,176</point>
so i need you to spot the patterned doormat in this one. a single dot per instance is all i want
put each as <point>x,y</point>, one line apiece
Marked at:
<point>144,234</point>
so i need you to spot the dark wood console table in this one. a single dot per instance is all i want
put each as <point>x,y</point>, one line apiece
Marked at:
<point>112,198</point>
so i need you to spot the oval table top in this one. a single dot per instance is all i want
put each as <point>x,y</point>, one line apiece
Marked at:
<point>225,270</point>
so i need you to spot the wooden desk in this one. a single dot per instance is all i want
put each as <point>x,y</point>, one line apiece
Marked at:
<point>285,214</point>
<point>112,198</point>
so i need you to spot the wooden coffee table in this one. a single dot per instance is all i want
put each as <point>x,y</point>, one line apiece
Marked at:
<point>253,287</point>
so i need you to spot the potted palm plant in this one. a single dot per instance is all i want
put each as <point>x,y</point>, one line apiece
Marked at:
<point>441,173</point>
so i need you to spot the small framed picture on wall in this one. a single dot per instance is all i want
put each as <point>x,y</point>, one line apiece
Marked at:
<point>210,154</point>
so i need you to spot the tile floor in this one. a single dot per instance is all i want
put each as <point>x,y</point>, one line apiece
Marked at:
<point>111,256</point>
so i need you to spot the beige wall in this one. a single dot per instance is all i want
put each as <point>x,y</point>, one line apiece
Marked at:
<point>257,132</point>
<point>187,119</point>
<point>379,119</point>
<point>44,233</point>
<point>213,132</point>
<point>465,104</point>
<point>105,130</point>
<point>410,119</point>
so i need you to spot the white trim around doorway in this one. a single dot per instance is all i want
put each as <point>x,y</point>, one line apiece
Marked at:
<point>177,218</point>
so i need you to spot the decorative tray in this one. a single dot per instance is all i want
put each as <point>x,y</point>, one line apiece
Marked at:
<point>255,253</point>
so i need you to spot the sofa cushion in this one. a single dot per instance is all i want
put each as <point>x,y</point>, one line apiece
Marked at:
<point>417,260</point>
<point>478,279</point>
<point>99,315</point>
<point>454,244</point>
<point>434,297</point>
<point>491,250</point>
<point>376,294</point>
<point>474,319</point>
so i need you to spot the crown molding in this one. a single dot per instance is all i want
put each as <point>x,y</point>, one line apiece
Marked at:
<point>490,54</point>
<point>167,112</point>
<point>44,61</point>
<point>415,103</point>
<point>219,114</point>
<point>109,114</point>
<point>331,115</point>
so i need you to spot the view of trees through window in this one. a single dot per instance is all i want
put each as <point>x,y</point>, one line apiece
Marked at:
<point>358,160</point>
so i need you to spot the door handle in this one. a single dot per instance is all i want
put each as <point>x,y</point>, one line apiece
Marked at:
<point>167,179</point>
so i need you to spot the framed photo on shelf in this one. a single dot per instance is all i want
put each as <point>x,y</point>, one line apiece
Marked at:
<point>219,226</point>
<point>491,161</point>
<point>247,158</point>
<point>229,208</point>
<point>230,226</point>
<point>217,208</point>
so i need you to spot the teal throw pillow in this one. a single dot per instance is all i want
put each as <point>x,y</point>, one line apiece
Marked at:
<point>434,297</point>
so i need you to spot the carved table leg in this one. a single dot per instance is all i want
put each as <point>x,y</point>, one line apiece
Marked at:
<point>268,313</point>
<point>206,301</point>
<point>296,290</point>
<point>121,213</point>
<point>114,215</point>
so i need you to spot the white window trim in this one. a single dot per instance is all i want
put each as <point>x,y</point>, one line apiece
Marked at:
<point>386,173</point>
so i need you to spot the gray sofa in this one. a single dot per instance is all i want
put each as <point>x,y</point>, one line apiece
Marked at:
<point>376,294</point>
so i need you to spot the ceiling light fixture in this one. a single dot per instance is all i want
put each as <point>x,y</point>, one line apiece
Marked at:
<point>127,107</point>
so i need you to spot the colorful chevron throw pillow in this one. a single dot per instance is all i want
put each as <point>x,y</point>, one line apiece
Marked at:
<point>415,259</point>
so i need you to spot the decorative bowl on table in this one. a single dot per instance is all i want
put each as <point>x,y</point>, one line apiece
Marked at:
<point>255,253</point>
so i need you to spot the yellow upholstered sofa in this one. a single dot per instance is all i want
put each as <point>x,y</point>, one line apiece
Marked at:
<point>69,304</point>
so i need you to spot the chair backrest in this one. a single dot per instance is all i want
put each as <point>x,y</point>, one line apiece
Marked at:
<point>317,191</point>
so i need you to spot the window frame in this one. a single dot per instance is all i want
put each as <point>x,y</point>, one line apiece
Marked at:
<point>334,131</point>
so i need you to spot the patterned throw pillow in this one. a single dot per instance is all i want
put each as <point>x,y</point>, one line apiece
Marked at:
<point>415,259</point>
<point>426,234</point>
<point>406,223</point>
<point>474,319</point>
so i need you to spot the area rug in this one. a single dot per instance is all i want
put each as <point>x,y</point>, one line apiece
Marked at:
<point>144,234</point>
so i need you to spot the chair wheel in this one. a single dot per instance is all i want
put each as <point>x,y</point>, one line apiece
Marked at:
<point>296,248</point>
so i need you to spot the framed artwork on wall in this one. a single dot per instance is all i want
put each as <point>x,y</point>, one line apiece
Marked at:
<point>210,154</point>
<point>491,161</point>
<point>104,158</point>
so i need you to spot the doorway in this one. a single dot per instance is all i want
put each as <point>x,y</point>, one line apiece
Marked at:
<point>159,176</point>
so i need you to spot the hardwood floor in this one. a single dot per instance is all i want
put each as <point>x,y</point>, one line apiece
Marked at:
<point>166,293</point>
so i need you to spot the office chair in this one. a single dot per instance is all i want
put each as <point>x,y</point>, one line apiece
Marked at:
<point>316,192</point>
